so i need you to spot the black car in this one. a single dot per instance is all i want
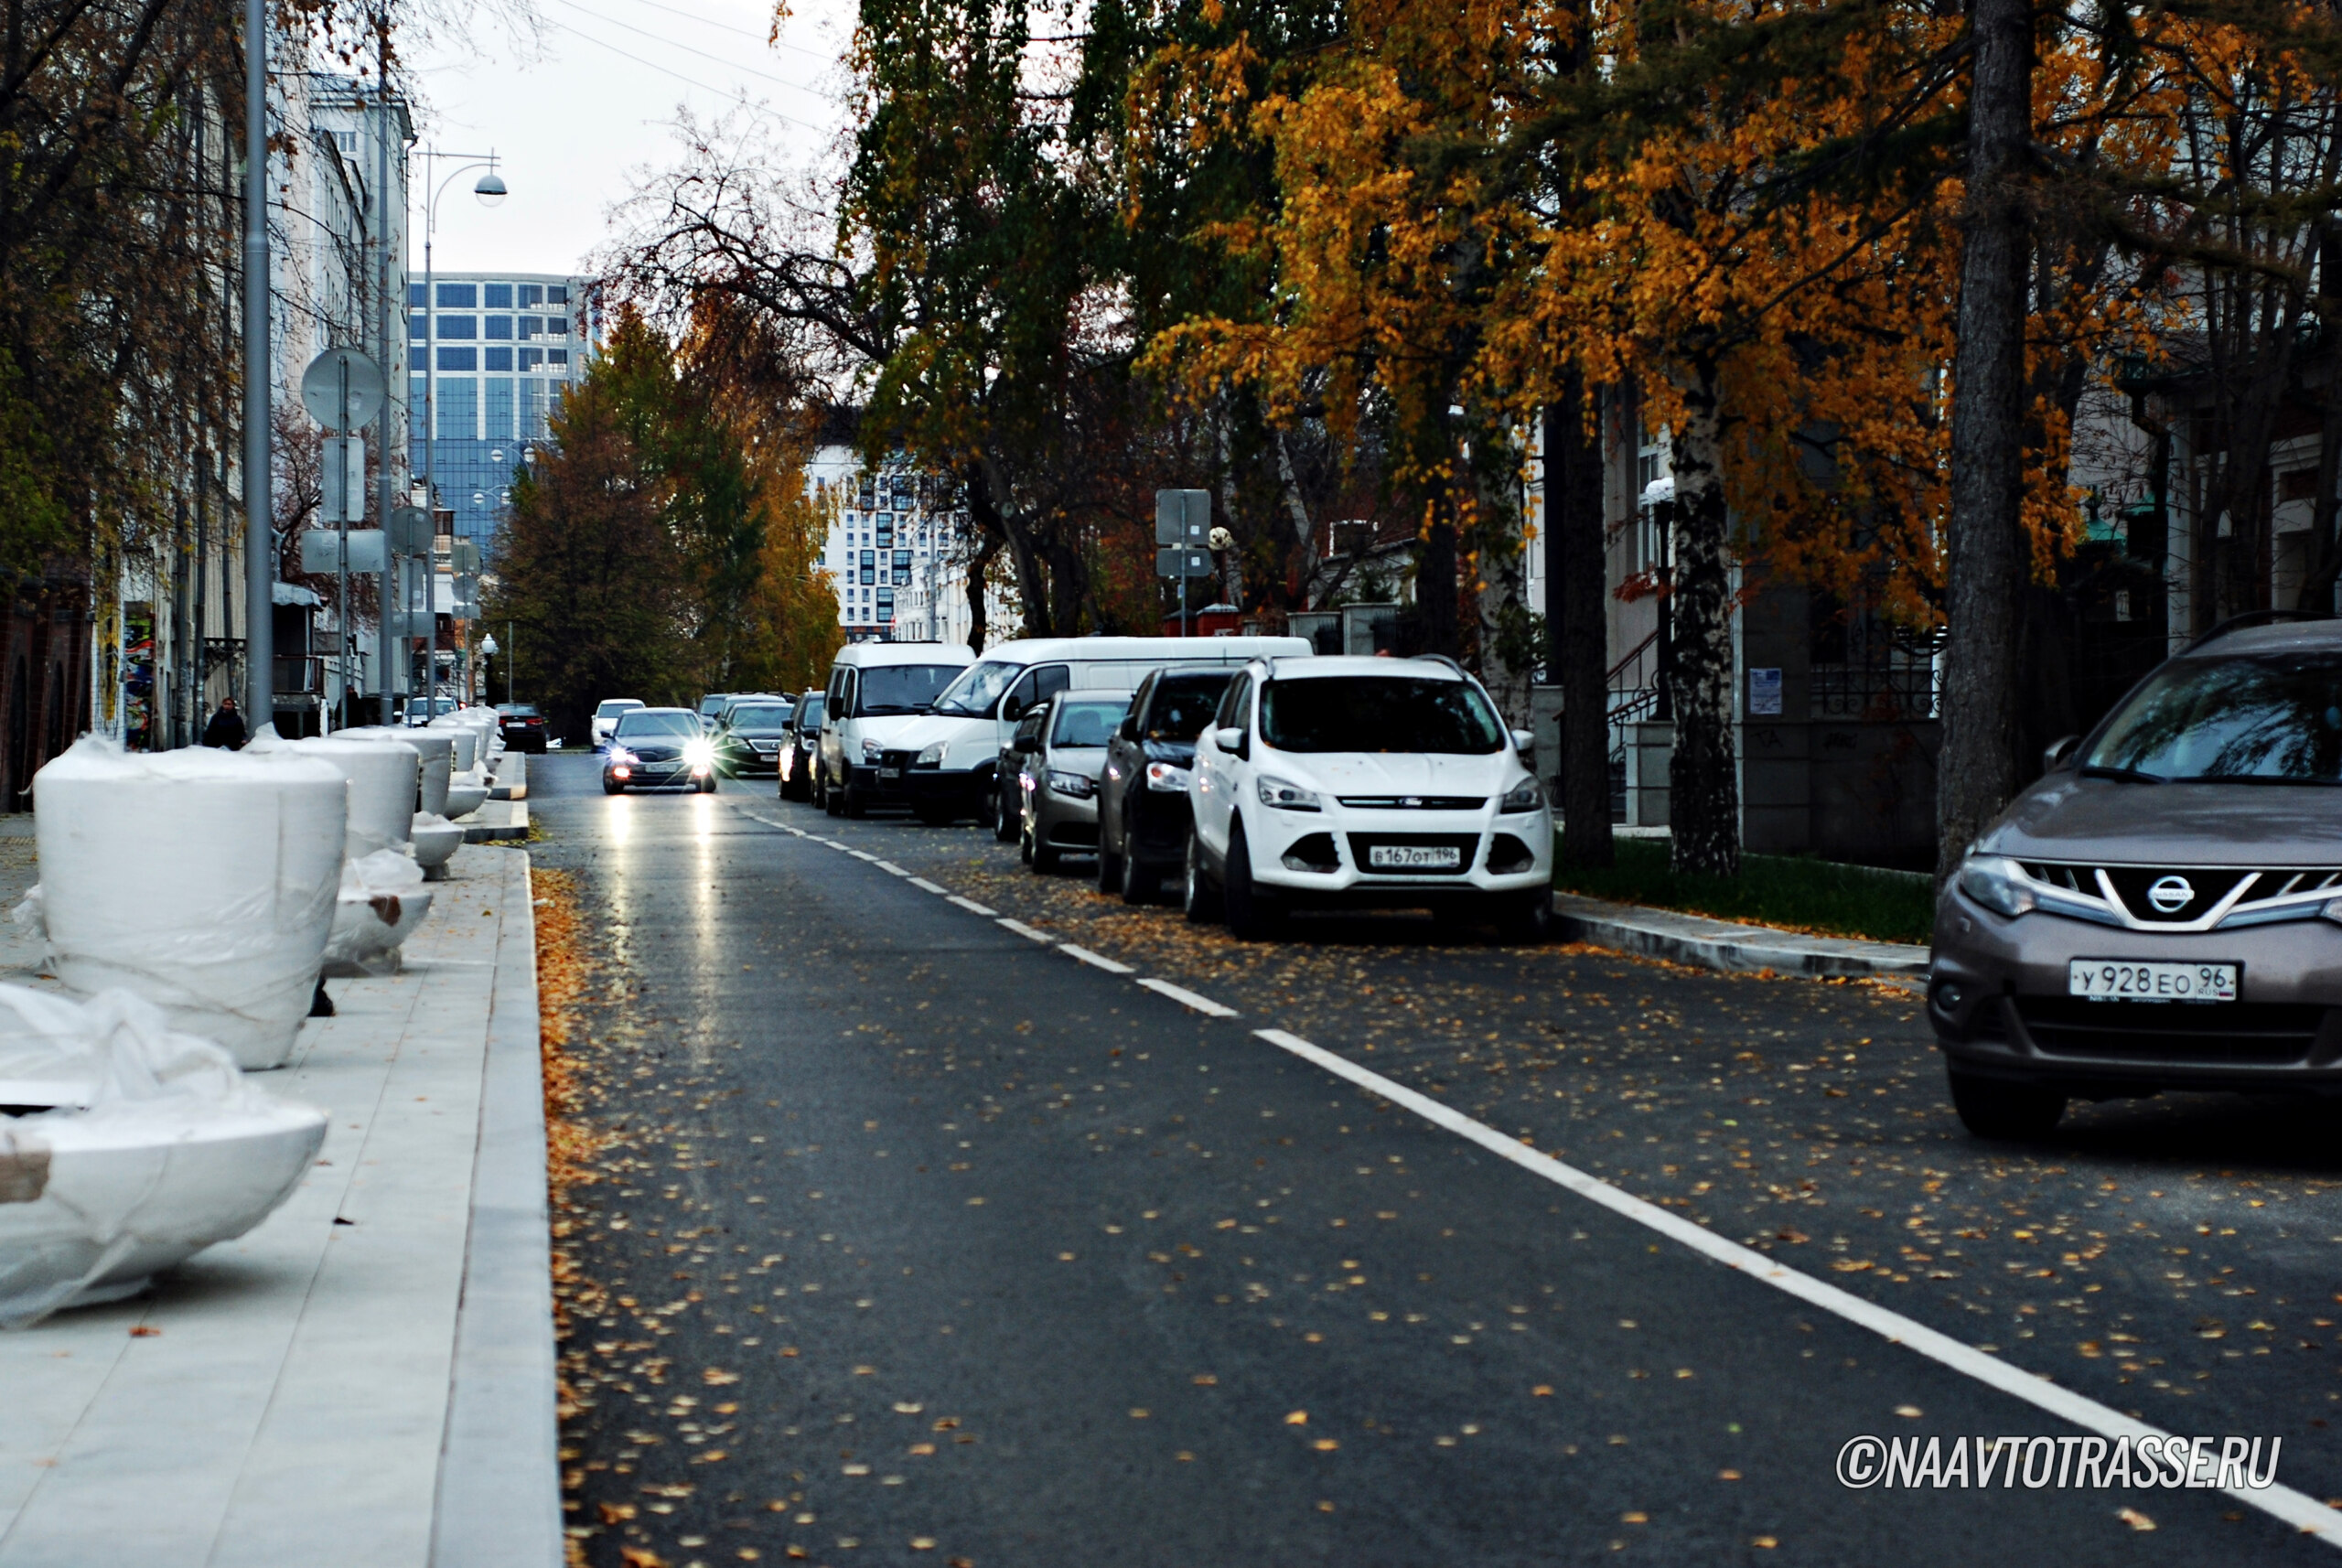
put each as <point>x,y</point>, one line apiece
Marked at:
<point>749,736</point>
<point>801,744</point>
<point>1143,809</point>
<point>655,747</point>
<point>523,726</point>
<point>1005,810</point>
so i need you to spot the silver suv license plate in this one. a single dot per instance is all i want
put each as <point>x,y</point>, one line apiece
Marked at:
<point>1413,857</point>
<point>2131,980</point>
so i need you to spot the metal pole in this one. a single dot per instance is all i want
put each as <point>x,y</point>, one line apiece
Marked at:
<point>390,310</point>
<point>511,650</point>
<point>430,438</point>
<point>259,570</point>
<point>341,605</point>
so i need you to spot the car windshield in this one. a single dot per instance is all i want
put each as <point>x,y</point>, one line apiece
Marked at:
<point>2257,719</point>
<point>1183,704</point>
<point>1378,713</point>
<point>762,718</point>
<point>640,724</point>
<point>517,710</point>
<point>614,707</point>
<point>902,688</point>
<point>978,688</point>
<point>711,707</point>
<point>809,711</point>
<point>1088,721</point>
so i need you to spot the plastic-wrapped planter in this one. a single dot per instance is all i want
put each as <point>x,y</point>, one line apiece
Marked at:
<point>385,781</point>
<point>438,758</point>
<point>201,880</point>
<point>382,902</point>
<point>436,842</point>
<point>125,1148</point>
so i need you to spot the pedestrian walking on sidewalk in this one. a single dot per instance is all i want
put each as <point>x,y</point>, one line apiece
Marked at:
<point>226,729</point>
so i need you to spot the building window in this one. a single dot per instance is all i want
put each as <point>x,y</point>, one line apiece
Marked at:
<point>869,492</point>
<point>499,403</point>
<point>532,325</point>
<point>458,358</point>
<point>497,327</point>
<point>417,298</point>
<point>869,566</point>
<point>556,327</point>
<point>885,604</point>
<point>556,356</point>
<point>497,359</point>
<point>496,296</point>
<point>902,568</point>
<point>459,327</point>
<point>417,326</point>
<point>886,520</point>
<point>531,359</point>
<point>459,408</point>
<point>556,293</point>
<point>459,295</point>
<point>532,295</point>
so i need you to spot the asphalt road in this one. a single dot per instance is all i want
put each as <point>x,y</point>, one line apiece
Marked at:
<point>909,1237</point>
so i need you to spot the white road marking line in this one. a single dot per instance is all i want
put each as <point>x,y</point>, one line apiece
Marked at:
<point>1022,930</point>
<point>831,842</point>
<point>861,854</point>
<point>1097,959</point>
<point>890,868</point>
<point>970,905</point>
<point>1187,998</point>
<point>922,883</point>
<point>2312,1517</point>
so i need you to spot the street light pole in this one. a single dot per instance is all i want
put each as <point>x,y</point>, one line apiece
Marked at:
<point>260,534</point>
<point>489,188</point>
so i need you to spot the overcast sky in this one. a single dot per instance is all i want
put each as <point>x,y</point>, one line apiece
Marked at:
<point>577,118</point>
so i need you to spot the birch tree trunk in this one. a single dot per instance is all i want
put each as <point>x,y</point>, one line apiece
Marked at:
<point>1976,772</point>
<point>1576,586</point>
<point>1703,787</point>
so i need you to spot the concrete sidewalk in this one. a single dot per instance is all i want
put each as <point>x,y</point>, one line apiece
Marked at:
<point>368,1377</point>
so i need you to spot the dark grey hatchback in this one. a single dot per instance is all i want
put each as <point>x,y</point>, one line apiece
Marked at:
<point>2163,908</point>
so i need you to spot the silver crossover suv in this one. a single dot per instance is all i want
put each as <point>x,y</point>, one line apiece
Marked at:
<point>2164,910</point>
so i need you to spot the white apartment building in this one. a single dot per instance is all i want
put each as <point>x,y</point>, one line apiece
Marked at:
<point>896,552</point>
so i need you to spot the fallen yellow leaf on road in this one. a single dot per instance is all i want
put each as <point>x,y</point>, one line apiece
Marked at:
<point>1298,1418</point>
<point>2135,1518</point>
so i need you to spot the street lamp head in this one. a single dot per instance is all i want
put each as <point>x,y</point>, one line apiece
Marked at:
<point>488,646</point>
<point>490,188</point>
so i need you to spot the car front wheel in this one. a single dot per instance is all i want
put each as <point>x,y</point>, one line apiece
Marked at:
<point>1252,914</point>
<point>1196,893</point>
<point>1996,1108</point>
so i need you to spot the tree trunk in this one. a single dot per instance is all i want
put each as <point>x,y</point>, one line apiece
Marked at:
<point>1436,587</point>
<point>1575,595</point>
<point>979,569</point>
<point>1703,787</point>
<point>1977,770</point>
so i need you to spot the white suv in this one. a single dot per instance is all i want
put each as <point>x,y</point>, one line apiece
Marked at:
<point>1364,782</point>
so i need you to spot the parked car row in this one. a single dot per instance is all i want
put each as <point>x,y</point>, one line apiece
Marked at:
<point>1260,777</point>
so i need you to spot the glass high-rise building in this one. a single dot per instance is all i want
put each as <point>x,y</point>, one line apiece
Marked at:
<point>507,346</point>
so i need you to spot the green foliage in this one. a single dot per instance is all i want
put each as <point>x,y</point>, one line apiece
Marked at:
<point>664,546</point>
<point>1795,892</point>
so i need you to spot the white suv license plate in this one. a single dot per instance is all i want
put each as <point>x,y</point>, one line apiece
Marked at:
<point>2133,980</point>
<point>1413,857</point>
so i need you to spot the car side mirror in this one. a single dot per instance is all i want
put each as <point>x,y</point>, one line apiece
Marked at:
<point>1228,738</point>
<point>2060,753</point>
<point>1127,729</point>
<point>1524,741</point>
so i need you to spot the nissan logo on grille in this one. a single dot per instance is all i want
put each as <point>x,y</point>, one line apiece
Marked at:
<point>2170,895</point>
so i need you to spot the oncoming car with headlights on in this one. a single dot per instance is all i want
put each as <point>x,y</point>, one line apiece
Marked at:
<point>657,748</point>
<point>1328,782</point>
<point>2162,909</point>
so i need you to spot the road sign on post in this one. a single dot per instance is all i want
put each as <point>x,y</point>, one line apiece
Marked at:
<point>1182,525</point>
<point>410,529</point>
<point>342,389</point>
<point>345,480</point>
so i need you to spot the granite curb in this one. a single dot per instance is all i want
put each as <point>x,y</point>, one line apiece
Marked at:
<point>1705,943</point>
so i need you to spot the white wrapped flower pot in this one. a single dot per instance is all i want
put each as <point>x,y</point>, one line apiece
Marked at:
<point>436,842</point>
<point>203,881</point>
<point>385,783</point>
<point>382,902</point>
<point>438,751</point>
<point>125,1148</point>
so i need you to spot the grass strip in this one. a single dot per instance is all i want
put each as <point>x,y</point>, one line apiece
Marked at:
<point>1819,897</point>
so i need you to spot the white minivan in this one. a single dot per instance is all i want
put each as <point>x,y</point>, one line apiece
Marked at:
<point>942,765</point>
<point>875,689</point>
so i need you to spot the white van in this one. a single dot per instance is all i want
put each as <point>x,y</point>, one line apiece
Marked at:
<point>942,765</point>
<point>875,689</point>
